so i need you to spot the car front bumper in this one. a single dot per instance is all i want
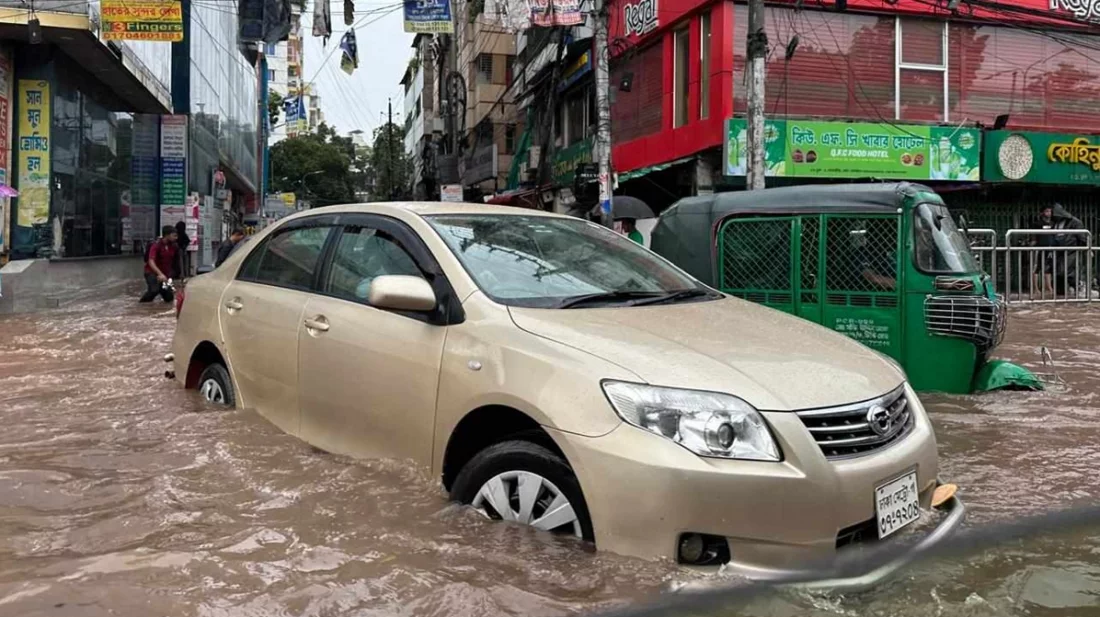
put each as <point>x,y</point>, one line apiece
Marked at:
<point>643,492</point>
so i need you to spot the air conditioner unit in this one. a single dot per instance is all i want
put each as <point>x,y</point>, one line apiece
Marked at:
<point>533,157</point>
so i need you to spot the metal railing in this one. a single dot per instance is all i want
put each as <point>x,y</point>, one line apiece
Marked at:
<point>1036,274</point>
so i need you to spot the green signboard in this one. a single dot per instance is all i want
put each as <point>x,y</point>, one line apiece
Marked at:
<point>1049,158</point>
<point>816,149</point>
<point>567,159</point>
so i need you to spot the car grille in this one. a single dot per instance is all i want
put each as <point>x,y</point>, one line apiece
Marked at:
<point>862,428</point>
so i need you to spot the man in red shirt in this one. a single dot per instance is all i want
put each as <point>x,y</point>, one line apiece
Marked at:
<point>158,264</point>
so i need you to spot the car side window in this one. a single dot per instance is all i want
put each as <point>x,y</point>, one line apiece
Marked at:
<point>288,259</point>
<point>363,254</point>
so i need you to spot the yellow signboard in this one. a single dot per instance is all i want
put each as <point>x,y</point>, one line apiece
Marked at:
<point>34,152</point>
<point>142,20</point>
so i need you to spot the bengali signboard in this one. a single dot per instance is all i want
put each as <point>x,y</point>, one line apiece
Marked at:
<point>816,149</point>
<point>481,165</point>
<point>566,160</point>
<point>34,153</point>
<point>1045,158</point>
<point>173,168</point>
<point>142,20</point>
<point>428,16</point>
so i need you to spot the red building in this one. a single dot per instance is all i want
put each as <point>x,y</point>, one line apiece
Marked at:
<point>680,70</point>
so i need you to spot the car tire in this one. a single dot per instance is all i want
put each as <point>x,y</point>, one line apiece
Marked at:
<point>514,463</point>
<point>216,386</point>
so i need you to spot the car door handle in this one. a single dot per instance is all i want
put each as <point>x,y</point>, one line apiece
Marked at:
<point>233,305</point>
<point>319,323</point>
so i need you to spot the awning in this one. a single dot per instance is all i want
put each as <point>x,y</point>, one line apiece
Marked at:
<point>638,173</point>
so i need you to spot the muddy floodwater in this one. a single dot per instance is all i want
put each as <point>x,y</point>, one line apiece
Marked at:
<point>121,494</point>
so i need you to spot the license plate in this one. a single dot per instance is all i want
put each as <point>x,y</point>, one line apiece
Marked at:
<point>897,504</point>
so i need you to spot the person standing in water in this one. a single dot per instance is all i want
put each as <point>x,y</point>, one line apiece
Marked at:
<point>159,262</point>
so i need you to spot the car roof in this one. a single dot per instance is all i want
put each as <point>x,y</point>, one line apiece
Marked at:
<point>432,208</point>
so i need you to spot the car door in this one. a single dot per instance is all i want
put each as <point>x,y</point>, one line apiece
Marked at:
<point>261,313</point>
<point>368,376</point>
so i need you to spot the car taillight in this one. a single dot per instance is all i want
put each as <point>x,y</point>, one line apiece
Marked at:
<point>179,302</point>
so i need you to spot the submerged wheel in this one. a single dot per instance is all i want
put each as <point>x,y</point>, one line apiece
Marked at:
<point>525,483</point>
<point>216,387</point>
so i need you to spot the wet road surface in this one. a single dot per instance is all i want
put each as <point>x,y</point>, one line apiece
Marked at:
<point>122,494</point>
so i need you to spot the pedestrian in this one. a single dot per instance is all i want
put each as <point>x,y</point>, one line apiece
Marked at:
<point>183,267</point>
<point>630,229</point>
<point>1055,217</point>
<point>159,262</point>
<point>226,249</point>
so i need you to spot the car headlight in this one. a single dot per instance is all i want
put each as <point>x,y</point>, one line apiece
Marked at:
<point>707,423</point>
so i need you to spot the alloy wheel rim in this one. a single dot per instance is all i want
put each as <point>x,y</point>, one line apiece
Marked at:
<point>212,391</point>
<point>528,498</point>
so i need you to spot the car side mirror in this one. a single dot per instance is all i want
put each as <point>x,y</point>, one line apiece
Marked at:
<point>402,293</point>
<point>204,269</point>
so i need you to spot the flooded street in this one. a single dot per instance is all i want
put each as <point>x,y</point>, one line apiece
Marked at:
<point>122,494</point>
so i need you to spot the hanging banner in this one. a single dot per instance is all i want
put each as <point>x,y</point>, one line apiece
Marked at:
<point>428,16</point>
<point>549,13</point>
<point>142,20</point>
<point>812,149</point>
<point>34,153</point>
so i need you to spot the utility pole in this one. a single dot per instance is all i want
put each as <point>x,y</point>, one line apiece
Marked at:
<point>756,51</point>
<point>603,110</point>
<point>389,148</point>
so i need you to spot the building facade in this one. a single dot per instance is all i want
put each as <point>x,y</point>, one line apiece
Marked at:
<point>488,125</point>
<point>911,70</point>
<point>422,123</point>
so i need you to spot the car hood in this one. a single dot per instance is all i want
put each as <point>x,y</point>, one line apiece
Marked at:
<point>770,359</point>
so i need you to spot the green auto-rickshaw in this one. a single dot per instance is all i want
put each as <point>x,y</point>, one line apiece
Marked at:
<point>882,263</point>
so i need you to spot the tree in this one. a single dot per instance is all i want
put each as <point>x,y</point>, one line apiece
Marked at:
<point>274,106</point>
<point>322,168</point>
<point>391,166</point>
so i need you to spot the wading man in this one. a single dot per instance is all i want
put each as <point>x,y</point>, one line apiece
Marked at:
<point>159,262</point>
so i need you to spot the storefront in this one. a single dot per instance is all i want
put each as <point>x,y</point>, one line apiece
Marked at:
<point>1023,171</point>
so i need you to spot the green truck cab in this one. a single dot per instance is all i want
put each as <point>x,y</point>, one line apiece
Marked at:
<point>882,263</point>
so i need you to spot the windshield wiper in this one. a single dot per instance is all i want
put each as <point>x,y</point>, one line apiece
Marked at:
<point>682,294</point>
<point>607,296</point>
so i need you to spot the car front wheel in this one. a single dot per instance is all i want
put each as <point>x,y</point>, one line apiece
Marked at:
<point>523,482</point>
<point>216,387</point>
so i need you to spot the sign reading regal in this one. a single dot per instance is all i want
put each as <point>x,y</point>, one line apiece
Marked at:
<point>1085,10</point>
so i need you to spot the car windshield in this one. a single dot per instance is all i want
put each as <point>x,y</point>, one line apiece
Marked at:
<point>941,247</point>
<point>540,261</point>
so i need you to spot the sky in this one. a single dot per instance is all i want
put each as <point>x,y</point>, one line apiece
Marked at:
<point>358,101</point>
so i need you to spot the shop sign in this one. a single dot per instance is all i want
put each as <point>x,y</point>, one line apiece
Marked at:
<point>567,159</point>
<point>640,17</point>
<point>481,165</point>
<point>428,16</point>
<point>813,149</point>
<point>142,20</point>
<point>173,168</point>
<point>1047,158</point>
<point>1084,10</point>
<point>451,193</point>
<point>34,153</point>
<point>579,69</point>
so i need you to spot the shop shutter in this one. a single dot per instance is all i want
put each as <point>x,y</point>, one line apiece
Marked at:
<point>638,113</point>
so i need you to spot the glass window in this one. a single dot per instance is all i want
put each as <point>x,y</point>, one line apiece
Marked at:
<point>681,77</point>
<point>289,259</point>
<point>575,120</point>
<point>704,65</point>
<point>922,72</point>
<point>509,139</point>
<point>940,246</point>
<point>485,68</point>
<point>540,261</point>
<point>362,255</point>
